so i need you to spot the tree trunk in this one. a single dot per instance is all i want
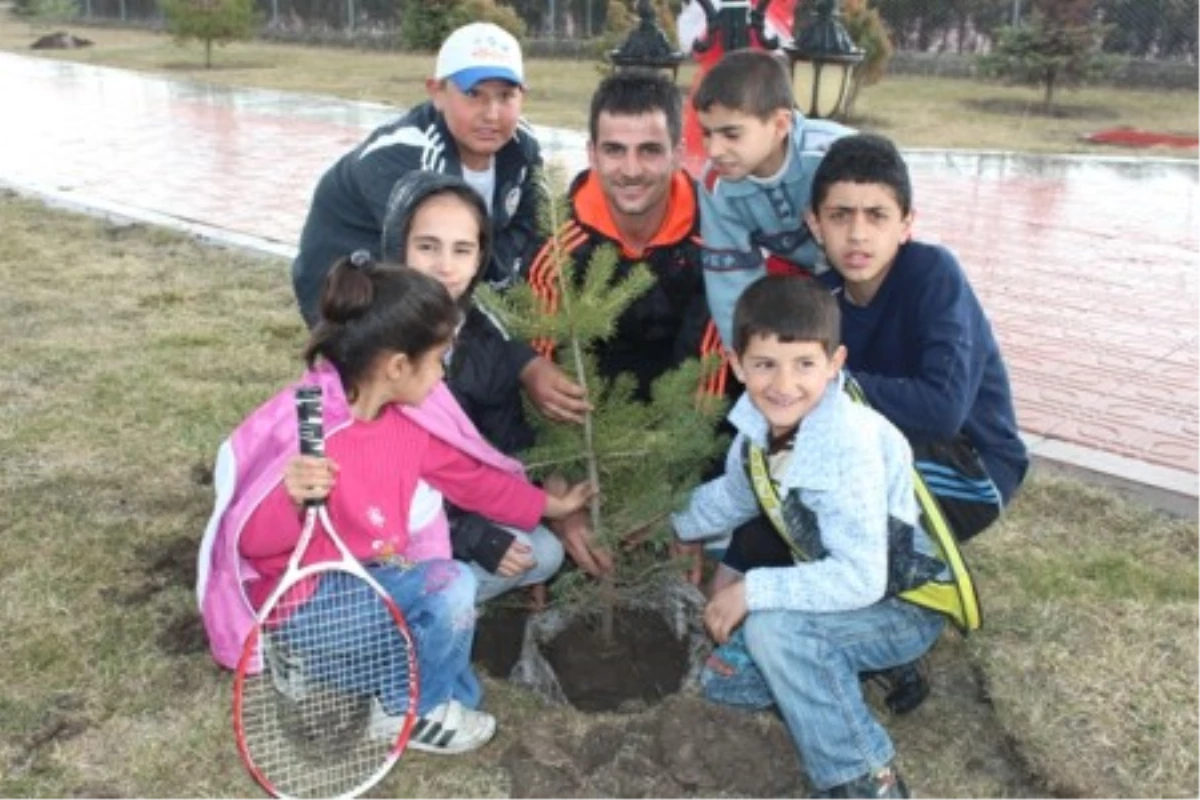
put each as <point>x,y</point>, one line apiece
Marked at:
<point>1048,97</point>
<point>208,53</point>
<point>852,97</point>
<point>607,586</point>
<point>607,589</point>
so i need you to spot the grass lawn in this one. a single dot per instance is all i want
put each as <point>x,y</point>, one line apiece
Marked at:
<point>916,112</point>
<point>129,353</point>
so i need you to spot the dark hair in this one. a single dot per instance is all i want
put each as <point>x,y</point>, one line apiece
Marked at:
<point>637,91</point>
<point>790,308</point>
<point>863,158</point>
<point>751,81</point>
<point>368,309</point>
<point>409,194</point>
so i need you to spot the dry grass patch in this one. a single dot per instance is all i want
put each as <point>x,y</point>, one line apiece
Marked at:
<point>106,412</point>
<point>915,111</point>
<point>1090,650</point>
<point>946,113</point>
<point>130,353</point>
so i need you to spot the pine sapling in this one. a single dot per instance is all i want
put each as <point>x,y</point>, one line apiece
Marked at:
<point>643,456</point>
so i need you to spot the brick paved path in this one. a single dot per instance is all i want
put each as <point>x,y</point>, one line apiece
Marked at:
<point>1088,267</point>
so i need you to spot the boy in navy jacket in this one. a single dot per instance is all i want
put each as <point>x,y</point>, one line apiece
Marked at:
<point>919,342</point>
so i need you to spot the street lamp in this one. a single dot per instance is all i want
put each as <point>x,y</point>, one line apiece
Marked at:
<point>823,59</point>
<point>647,45</point>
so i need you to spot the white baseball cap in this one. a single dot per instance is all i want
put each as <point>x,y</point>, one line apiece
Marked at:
<point>478,52</point>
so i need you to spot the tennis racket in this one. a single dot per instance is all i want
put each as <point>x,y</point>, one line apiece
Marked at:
<point>333,706</point>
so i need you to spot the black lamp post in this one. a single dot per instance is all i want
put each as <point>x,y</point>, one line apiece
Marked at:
<point>823,59</point>
<point>647,45</point>
<point>736,25</point>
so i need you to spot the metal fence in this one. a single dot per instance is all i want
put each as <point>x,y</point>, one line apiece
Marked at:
<point>1161,29</point>
<point>548,19</point>
<point>1144,29</point>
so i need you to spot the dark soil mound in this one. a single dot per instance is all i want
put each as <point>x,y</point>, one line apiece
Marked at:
<point>498,637</point>
<point>60,40</point>
<point>644,662</point>
<point>684,747</point>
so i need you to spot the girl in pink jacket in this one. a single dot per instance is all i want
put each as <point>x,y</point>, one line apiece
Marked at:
<point>395,439</point>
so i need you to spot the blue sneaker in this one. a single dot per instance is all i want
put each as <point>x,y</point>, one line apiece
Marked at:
<point>730,676</point>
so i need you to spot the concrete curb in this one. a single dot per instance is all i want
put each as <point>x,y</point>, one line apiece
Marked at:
<point>122,214</point>
<point>1171,490</point>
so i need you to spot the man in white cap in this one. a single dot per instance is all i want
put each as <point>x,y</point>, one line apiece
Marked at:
<point>470,127</point>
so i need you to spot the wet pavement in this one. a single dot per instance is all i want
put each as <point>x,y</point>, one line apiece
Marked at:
<point>1087,266</point>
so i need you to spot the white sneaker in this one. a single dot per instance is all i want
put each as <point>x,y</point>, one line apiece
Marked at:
<point>384,727</point>
<point>452,728</point>
<point>286,670</point>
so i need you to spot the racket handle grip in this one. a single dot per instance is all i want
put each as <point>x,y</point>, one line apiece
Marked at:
<point>308,414</point>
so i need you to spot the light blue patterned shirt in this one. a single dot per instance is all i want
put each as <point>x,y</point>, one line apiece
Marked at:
<point>846,489</point>
<point>741,219</point>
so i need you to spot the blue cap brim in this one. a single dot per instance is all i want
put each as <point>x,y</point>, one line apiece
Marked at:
<point>465,79</point>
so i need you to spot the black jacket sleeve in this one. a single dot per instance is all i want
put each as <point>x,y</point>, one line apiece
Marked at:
<point>375,172</point>
<point>514,245</point>
<point>692,326</point>
<point>474,538</point>
<point>519,354</point>
<point>484,376</point>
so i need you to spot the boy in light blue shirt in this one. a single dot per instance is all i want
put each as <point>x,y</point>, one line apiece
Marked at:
<point>835,479</point>
<point>762,156</point>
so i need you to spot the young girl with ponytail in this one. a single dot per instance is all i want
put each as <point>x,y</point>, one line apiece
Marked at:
<point>396,441</point>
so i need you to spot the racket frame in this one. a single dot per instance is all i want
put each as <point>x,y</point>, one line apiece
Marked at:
<point>312,443</point>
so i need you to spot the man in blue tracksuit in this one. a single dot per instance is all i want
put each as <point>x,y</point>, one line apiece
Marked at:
<point>470,127</point>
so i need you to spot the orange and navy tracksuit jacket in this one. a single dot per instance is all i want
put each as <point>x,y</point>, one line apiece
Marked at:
<point>670,322</point>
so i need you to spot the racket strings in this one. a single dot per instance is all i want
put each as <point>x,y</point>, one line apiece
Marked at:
<point>325,716</point>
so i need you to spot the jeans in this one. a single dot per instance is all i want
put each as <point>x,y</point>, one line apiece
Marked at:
<point>547,552</point>
<point>437,599</point>
<point>808,664</point>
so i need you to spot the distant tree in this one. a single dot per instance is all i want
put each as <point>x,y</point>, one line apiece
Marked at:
<point>46,12</point>
<point>1058,45</point>
<point>501,14</point>
<point>869,32</point>
<point>620,17</point>
<point>427,23</point>
<point>619,20</point>
<point>916,22</point>
<point>210,21</point>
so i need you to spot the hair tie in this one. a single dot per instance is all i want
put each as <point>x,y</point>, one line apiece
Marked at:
<point>361,260</point>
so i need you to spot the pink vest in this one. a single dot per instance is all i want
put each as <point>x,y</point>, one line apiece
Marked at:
<point>250,464</point>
